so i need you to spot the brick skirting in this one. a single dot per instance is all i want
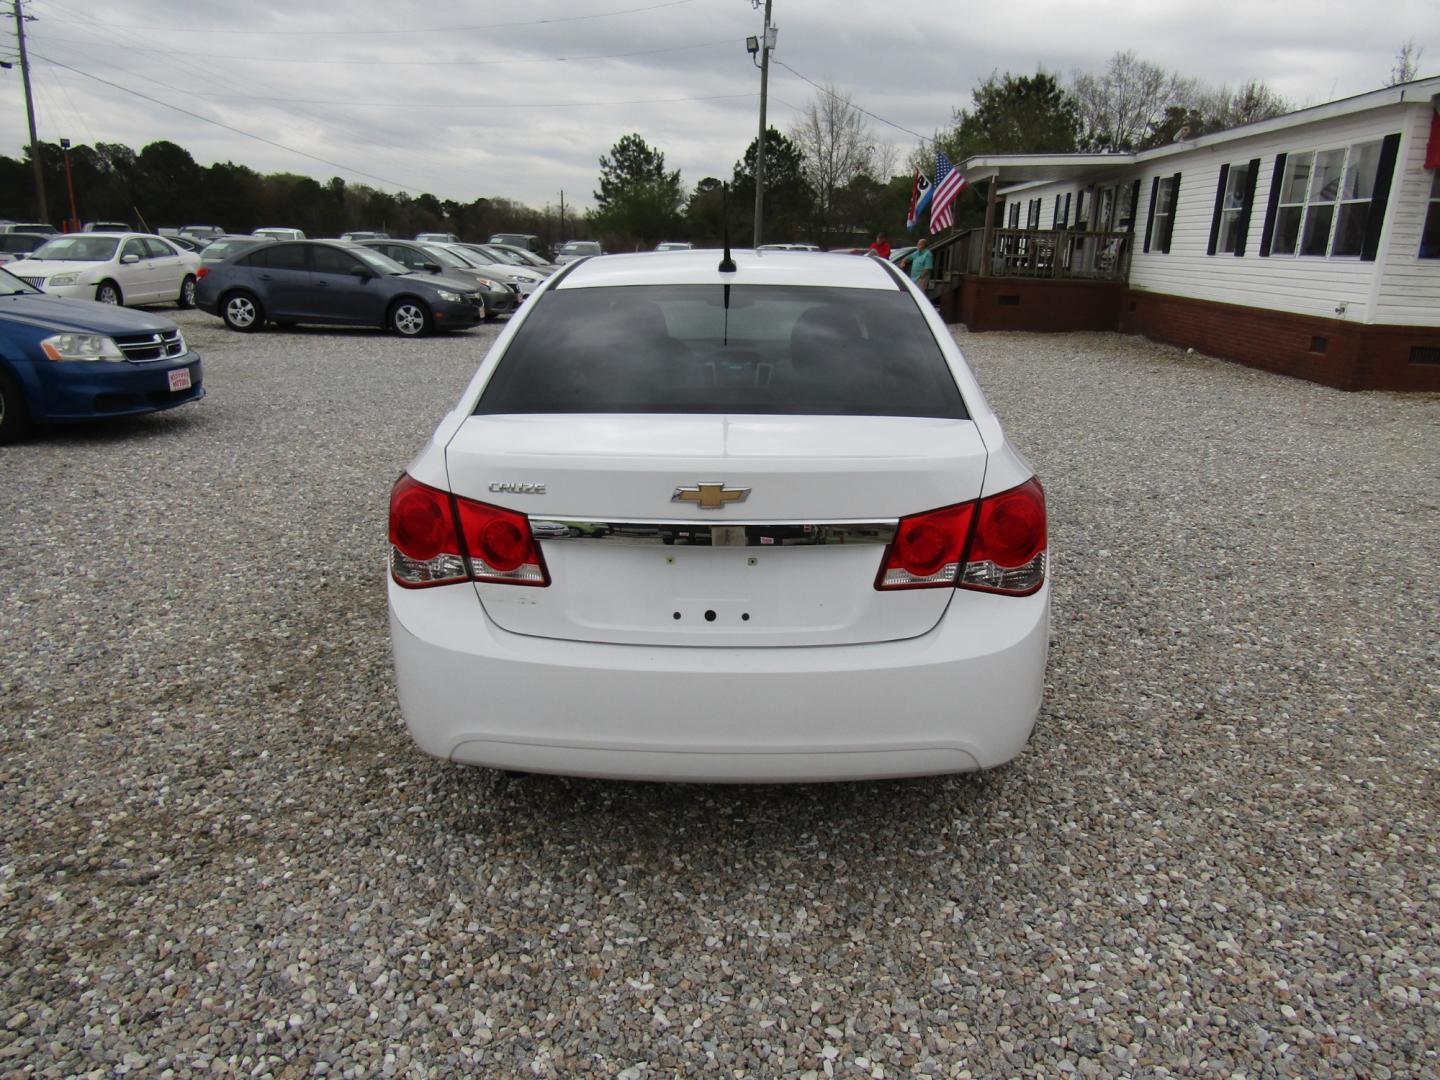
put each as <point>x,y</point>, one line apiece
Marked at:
<point>1335,352</point>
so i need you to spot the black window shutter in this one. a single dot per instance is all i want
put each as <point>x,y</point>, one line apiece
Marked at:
<point>1065,217</point>
<point>1150,221</point>
<point>1174,209</point>
<point>1273,206</point>
<point>1244,229</point>
<point>1134,204</point>
<point>1384,174</point>
<point>1055,213</point>
<point>1219,206</point>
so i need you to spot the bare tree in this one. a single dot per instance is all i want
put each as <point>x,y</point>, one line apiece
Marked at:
<point>836,143</point>
<point>1407,63</point>
<point>884,158</point>
<point>1120,106</point>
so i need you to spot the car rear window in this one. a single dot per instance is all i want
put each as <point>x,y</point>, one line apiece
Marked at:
<point>724,349</point>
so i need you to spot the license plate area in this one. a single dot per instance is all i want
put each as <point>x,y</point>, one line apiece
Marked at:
<point>179,379</point>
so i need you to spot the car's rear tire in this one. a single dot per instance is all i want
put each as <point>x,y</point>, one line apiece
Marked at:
<point>187,292</point>
<point>410,318</point>
<point>242,311</point>
<point>14,415</point>
<point>107,292</point>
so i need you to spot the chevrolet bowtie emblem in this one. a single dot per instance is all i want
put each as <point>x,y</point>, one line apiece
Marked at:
<point>709,496</point>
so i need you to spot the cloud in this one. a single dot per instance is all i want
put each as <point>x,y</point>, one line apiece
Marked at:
<point>524,112</point>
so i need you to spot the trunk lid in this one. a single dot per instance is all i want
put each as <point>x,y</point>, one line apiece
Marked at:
<point>793,562</point>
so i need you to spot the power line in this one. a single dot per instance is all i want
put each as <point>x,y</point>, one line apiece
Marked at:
<point>432,62</point>
<point>472,104</point>
<point>873,116</point>
<point>238,131</point>
<point>397,30</point>
<point>205,75</point>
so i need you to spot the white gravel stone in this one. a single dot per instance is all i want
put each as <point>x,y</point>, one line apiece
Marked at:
<point>1217,858</point>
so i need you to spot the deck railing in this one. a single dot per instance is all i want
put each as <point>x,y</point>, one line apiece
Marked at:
<point>1036,253</point>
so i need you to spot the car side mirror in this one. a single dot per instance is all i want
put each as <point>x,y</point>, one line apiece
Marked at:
<point>362,273</point>
<point>126,260</point>
<point>434,268</point>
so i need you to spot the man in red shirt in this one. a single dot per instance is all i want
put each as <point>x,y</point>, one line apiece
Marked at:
<point>881,246</point>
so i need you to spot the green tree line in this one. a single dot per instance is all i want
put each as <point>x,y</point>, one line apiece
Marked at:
<point>163,186</point>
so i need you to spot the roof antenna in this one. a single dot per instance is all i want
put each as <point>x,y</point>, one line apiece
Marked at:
<point>727,264</point>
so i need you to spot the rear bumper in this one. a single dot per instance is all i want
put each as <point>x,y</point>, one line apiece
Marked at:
<point>962,697</point>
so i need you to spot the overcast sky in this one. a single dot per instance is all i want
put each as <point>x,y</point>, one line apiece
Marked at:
<point>469,98</point>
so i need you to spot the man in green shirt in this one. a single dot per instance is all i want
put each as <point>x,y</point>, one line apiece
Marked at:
<point>921,263</point>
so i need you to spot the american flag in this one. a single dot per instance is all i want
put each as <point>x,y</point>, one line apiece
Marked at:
<point>948,183</point>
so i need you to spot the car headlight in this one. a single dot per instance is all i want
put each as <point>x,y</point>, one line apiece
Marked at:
<point>448,296</point>
<point>81,347</point>
<point>486,283</point>
<point>65,279</point>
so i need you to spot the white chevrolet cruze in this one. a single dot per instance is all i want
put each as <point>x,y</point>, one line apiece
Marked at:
<point>691,522</point>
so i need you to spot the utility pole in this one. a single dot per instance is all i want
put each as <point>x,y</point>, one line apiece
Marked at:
<point>20,18</point>
<point>765,44</point>
<point>562,215</point>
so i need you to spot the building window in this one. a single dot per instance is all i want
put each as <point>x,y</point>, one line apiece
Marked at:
<point>1164,196</point>
<point>1239,190</point>
<point>1125,206</point>
<point>1430,235</point>
<point>1325,197</point>
<point>1106,220</point>
<point>1013,221</point>
<point>1032,214</point>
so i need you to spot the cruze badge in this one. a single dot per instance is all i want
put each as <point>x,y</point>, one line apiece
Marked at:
<point>709,496</point>
<point>511,487</point>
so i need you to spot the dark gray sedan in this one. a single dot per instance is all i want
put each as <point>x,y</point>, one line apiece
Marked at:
<point>331,282</point>
<point>499,298</point>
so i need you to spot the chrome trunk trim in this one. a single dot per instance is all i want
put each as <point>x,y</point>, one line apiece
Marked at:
<point>714,534</point>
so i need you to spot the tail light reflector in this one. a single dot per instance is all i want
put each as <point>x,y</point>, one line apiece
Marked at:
<point>1006,551</point>
<point>500,544</point>
<point>200,273</point>
<point>925,553</point>
<point>440,539</point>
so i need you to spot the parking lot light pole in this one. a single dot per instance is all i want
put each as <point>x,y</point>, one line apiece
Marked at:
<point>70,187</point>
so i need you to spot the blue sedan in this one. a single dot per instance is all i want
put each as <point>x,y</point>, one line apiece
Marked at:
<point>77,360</point>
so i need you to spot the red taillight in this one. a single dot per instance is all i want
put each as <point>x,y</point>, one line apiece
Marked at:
<point>424,548</point>
<point>429,546</point>
<point>201,272</point>
<point>500,545</point>
<point>925,553</point>
<point>1006,551</point>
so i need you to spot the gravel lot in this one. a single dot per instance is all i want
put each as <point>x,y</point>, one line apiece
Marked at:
<point>1218,857</point>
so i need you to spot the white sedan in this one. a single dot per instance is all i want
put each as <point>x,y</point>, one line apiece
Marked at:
<point>738,522</point>
<point>114,268</point>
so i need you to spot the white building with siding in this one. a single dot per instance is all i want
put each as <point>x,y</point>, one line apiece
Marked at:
<point>1308,243</point>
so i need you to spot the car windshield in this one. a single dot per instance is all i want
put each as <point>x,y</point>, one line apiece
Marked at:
<point>444,258</point>
<point>500,255</point>
<point>580,247</point>
<point>725,349</point>
<point>10,285</point>
<point>470,258</point>
<point>79,249</point>
<point>223,249</point>
<point>382,264</point>
<point>525,258</point>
